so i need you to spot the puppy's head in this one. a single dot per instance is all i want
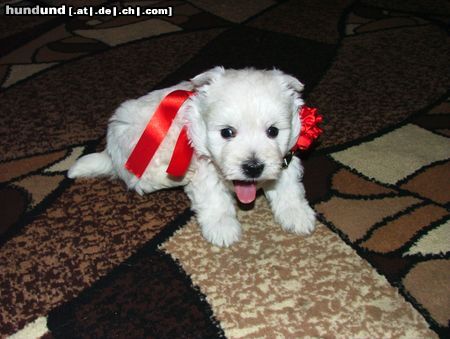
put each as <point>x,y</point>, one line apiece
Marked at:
<point>245,121</point>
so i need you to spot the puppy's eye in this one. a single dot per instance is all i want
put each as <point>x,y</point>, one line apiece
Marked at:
<point>272,132</point>
<point>228,133</point>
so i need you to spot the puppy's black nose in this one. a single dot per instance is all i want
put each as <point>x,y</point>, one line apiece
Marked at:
<point>252,168</point>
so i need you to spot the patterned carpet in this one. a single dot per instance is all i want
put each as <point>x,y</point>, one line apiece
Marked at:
<point>89,259</point>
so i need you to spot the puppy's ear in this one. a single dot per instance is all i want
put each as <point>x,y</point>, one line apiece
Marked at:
<point>197,130</point>
<point>295,127</point>
<point>207,77</point>
<point>196,126</point>
<point>295,87</point>
<point>294,83</point>
<point>288,81</point>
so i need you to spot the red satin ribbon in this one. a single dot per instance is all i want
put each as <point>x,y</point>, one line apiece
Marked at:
<point>154,134</point>
<point>181,156</point>
<point>310,130</point>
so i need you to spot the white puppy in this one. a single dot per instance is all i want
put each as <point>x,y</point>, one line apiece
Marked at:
<point>241,124</point>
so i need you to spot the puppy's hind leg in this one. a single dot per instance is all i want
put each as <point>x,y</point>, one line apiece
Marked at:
<point>288,202</point>
<point>213,203</point>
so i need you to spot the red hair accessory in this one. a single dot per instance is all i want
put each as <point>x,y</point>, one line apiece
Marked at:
<point>310,130</point>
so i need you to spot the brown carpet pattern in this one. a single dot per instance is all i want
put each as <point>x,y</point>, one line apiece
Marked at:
<point>87,258</point>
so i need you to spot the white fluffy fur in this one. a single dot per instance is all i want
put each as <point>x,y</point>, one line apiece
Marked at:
<point>248,100</point>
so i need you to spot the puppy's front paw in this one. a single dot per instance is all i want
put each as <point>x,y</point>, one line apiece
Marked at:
<point>222,233</point>
<point>297,219</point>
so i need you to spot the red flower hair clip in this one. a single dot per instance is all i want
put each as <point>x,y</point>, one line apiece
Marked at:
<point>310,130</point>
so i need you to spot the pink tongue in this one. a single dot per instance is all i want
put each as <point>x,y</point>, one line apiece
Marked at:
<point>245,191</point>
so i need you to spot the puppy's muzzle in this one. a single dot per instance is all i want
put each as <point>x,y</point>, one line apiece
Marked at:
<point>252,168</point>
